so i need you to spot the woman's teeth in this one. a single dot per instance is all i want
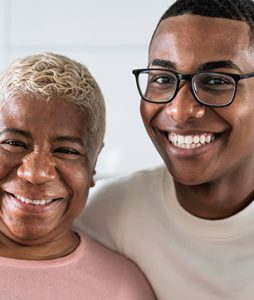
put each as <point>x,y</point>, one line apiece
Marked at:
<point>31,201</point>
<point>190,141</point>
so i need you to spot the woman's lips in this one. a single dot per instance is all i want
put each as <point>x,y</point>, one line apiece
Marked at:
<point>34,202</point>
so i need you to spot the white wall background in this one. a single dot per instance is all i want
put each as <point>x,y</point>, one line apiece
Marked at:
<point>111,37</point>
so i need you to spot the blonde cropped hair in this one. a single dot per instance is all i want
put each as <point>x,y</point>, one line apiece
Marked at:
<point>51,76</point>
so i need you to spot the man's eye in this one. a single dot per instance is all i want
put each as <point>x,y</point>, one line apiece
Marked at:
<point>216,81</point>
<point>164,80</point>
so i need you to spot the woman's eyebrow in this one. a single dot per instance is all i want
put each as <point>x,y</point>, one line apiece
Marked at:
<point>18,131</point>
<point>68,138</point>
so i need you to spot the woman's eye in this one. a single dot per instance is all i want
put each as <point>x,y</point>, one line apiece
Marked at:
<point>14,145</point>
<point>67,151</point>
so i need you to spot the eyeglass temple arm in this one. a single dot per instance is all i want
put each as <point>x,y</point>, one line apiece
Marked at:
<point>248,75</point>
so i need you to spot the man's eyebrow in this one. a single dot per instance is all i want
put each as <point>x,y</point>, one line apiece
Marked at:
<point>163,63</point>
<point>18,131</point>
<point>68,138</point>
<point>208,66</point>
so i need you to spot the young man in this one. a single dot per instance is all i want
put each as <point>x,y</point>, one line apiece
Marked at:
<point>189,224</point>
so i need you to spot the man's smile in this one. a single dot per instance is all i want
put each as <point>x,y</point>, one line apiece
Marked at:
<point>190,141</point>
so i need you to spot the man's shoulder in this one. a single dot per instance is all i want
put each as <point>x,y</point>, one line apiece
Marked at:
<point>115,202</point>
<point>134,181</point>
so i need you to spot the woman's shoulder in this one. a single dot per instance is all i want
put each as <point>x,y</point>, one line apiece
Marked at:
<point>120,273</point>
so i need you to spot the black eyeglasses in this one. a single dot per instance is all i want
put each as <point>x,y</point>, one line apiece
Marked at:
<point>209,88</point>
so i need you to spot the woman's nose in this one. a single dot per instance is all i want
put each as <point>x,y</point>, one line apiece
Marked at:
<point>37,168</point>
<point>184,106</point>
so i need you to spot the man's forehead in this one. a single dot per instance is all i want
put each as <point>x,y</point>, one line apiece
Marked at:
<point>190,38</point>
<point>197,22</point>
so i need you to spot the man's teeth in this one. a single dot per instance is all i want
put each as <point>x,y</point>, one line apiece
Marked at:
<point>34,202</point>
<point>190,141</point>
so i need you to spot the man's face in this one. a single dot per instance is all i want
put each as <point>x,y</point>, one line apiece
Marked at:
<point>187,44</point>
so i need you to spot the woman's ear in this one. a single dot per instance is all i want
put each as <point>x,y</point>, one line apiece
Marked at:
<point>92,183</point>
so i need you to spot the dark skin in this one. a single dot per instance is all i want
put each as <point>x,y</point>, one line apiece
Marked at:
<point>215,180</point>
<point>43,157</point>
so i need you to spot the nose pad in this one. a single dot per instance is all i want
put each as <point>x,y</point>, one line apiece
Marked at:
<point>184,106</point>
<point>37,169</point>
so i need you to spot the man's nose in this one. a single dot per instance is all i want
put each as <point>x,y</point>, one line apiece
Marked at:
<point>37,168</point>
<point>184,106</point>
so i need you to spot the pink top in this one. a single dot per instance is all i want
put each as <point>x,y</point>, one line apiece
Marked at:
<point>91,272</point>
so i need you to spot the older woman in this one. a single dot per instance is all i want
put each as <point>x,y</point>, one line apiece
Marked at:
<point>52,121</point>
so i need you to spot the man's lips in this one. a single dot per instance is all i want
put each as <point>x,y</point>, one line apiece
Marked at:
<point>190,140</point>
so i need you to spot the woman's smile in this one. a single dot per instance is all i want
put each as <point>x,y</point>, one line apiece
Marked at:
<point>34,207</point>
<point>35,201</point>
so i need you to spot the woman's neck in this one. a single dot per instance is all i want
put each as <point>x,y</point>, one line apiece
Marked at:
<point>53,249</point>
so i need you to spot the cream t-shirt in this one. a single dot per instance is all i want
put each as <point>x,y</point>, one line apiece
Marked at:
<point>183,257</point>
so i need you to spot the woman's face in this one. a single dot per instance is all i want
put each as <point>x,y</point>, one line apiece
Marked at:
<point>44,171</point>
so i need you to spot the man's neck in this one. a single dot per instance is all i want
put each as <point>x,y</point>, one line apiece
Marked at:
<point>216,200</point>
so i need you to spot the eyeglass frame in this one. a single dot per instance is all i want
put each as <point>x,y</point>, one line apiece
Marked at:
<point>189,77</point>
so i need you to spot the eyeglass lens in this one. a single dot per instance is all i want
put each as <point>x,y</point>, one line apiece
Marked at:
<point>210,88</point>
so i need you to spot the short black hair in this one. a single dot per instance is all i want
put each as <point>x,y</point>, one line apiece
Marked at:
<point>241,10</point>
